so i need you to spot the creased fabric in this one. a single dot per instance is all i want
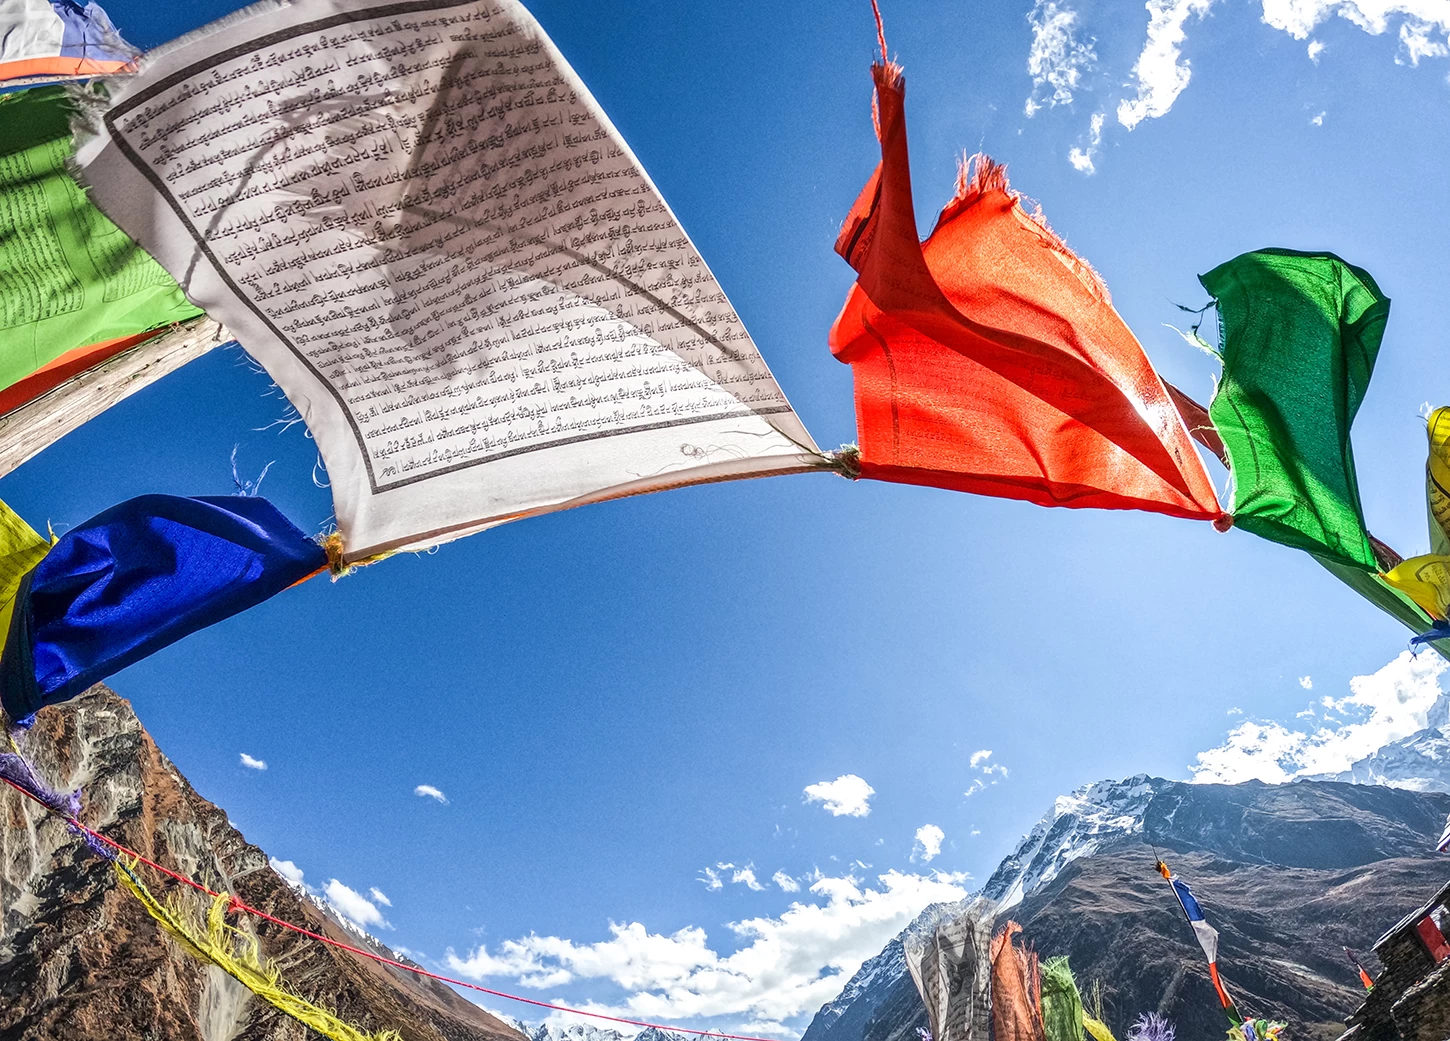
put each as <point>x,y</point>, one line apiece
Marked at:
<point>59,39</point>
<point>1299,336</point>
<point>1062,1012</point>
<point>21,548</point>
<point>74,290</point>
<point>952,968</point>
<point>989,359</point>
<point>137,578</point>
<point>1016,989</point>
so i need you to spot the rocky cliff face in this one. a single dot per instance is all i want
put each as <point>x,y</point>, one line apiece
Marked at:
<point>1288,874</point>
<point>81,960</point>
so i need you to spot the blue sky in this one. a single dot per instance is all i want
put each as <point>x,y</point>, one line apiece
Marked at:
<point>617,700</point>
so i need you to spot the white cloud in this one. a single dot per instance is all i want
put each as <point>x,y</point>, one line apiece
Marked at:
<point>1235,711</point>
<point>379,897</point>
<point>253,764</point>
<point>846,796</point>
<point>1421,21</point>
<point>1083,160</point>
<point>785,882</point>
<point>746,877</point>
<point>288,870</point>
<point>928,843</point>
<point>1307,682</point>
<point>1160,70</point>
<point>980,761</point>
<point>976,832</point>
<point>1389,705</point>
<point>711,878</point>
<point>1057,59</point>
<point>976,786</point>
<point>427,791</point>
<point>353,906</point>
<point>789,965</point>
<point>979,757</point>
<point>1315,49</point>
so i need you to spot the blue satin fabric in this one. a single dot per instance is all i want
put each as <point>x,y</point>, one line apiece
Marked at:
<point>137,578</point>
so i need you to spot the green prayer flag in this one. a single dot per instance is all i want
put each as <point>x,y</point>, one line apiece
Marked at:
<point>1062,1014</point>
<point>69,278</point>
<point>1298,333</point>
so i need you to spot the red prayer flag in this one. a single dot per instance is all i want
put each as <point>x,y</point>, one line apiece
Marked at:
<point>989,358</point>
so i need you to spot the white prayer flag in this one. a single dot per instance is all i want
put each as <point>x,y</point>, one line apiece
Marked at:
<point>416,217</point>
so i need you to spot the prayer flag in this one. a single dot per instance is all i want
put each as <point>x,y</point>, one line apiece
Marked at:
<point>429,233</point>
<point>21,548</point>
<point>1016,989</point>
<point>1062,1012</point>
<point>989,358</point>
<point>137,578</point>
<point>74,290</point>
<point>58,39</point>
<point>1206,935</point>
<point>952,968</point>
<point>1299,336</point>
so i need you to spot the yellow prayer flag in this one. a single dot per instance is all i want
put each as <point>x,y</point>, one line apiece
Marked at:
<point>1425,580</point>
<point>21,548</point>
<point>1437,481</point>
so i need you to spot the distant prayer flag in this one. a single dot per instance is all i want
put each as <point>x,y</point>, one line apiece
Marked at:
<point>59,39</point>
<point>1206,935</point>
<point>989,358</point>
<point>1299,336</point>
<point>137,578</point>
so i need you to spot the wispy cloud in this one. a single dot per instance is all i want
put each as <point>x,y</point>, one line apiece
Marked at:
<point>785,882</point>
<point>928,843</point>
<point>1057,60</point>
<point>427,791</point>
<point>288,870</point>
<point>1424,24</point>
<point>253,764</point>
<point>1389,705</point>
<point>1307,682</point>
<point>846,796</point>
<point>788,965</point>
<point>1161,71</point>
<point>1084,160</point>
<point>746,876</point>
<point>379,897</point>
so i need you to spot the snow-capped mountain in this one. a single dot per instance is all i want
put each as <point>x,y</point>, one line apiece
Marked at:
<point>590,1032</point>
<point>1077,826</point>
<point>1420,762</point>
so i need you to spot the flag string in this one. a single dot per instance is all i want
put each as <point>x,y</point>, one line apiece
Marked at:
<point>237,905</point>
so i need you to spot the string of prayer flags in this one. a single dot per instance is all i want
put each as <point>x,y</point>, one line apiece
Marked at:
<point>237,954</point>
<point>74,290</point>
<point>58,39</point>
<point>487,312</point>
<point>1299,336</point>
<point>1016,989</point>
<point>137,578</point>
<point>1063,1018</point>
<point>1206,935</point>
<point>1256,1030</point>
<point>989,358</point>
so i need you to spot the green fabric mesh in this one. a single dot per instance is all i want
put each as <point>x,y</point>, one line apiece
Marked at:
<point>1062,1011</point>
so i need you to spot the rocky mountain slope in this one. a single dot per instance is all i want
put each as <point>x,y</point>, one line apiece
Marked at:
<point>1289,874</point>
<point>81,960</point>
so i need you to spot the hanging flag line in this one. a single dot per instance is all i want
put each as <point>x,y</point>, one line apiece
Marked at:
<point>240,906</point>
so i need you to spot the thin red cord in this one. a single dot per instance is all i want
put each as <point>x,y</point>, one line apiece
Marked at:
<point>880,33</point>
<point>239,905</point>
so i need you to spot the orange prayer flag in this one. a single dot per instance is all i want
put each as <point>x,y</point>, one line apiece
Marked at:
<point>989,358</point>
